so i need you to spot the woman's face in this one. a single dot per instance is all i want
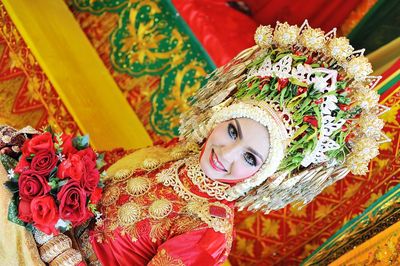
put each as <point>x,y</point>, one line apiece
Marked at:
<point>235,150</point>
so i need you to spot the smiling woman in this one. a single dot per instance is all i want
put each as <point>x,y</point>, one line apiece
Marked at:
<point>279,123</point>
<point>235,150</point>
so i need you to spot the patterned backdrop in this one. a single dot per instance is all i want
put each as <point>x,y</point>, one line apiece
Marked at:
<point>157,66</point>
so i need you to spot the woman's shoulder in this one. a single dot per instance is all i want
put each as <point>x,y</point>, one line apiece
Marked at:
<point>151,156</point>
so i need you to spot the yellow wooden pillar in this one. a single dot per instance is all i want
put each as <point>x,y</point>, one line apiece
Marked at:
<point>75,70</point>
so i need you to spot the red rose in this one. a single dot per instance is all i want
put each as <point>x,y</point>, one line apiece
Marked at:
<point>73,167</point>
<point>45,214</point>
<point>44,162</point>
<point>88,152</point>
<point>90,176</point>
<point>72,200</point>
<point>24,211</point>
<point>67,146</point>
<point>96,195</point>
<point>32,184</point>
<point>22,165</point>
<point>42,142</point>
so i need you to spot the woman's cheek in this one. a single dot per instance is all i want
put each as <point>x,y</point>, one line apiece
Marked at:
<point>242,171</point>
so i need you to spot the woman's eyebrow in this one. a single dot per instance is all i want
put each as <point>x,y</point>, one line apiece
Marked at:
<point>241,136</point>
<point>255,153</point>
<point>239,129</point>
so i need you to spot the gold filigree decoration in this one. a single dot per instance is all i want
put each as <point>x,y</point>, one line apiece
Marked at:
<point>160,208</point>
<point>202,211</point>
<point>111,195</point>
<point>169,177</point>
<point>211,187</point>
<point>129,213</point>
<point>162,258</point>
<point>137,186</point>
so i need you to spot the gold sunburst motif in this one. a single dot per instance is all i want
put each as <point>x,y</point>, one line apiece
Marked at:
<point>122,174</point>
<point>151,164</point>
<point>129,213</point>
<point>110,196</point>
<point>160,208</point>
<point>138,186</point>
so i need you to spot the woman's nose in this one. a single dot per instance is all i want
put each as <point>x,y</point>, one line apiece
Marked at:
<point>230,152</point>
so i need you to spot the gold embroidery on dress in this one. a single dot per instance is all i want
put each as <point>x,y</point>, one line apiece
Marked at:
<point>122,174</point>
<point>129,213</point>
<point>160,208</point>
<point>111,195</point>
<point>186,224</point>
<point>137,186</point>
<point>158,229</point>
<point>211,187</point>
<point>151,164</point>
<point>162,258</point>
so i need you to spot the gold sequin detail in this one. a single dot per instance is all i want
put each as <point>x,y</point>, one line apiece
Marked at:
<point>138,186</point>
<point>111,195</point>
<point>122,174</point>
<point>150,164</point>
<point>129,213</point>
<point>160,208</point>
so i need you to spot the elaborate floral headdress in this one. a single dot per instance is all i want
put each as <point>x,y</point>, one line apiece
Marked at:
<point>312,92</point>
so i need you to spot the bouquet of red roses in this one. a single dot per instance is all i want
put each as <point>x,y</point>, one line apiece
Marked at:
<point>56,183</point>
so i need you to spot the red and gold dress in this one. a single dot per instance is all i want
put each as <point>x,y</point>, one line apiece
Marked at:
<point>158,208</point>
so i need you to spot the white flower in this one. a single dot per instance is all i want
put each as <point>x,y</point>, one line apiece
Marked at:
<point>11,173</point>
<point>61,157</point>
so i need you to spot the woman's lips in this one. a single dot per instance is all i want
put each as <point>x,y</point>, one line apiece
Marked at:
<point>215,163</point>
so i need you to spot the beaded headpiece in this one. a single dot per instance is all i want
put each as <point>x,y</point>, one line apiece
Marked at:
<point>312,92</point>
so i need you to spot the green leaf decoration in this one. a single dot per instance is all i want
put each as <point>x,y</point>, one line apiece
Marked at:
<point>81,142</point>
<point>53,172</point>
<point>13,211</point>
<point>8,162</point>
<point>54,182</point>
<point>49,129</point>
<point>100,161</point>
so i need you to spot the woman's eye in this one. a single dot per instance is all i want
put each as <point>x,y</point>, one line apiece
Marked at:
<point>250,158</point>
<point>232,131</point>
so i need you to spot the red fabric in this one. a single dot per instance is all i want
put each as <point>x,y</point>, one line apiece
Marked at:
<point>197,248</point>
<point>201,247</point>
<point>222,31</point>
<point>123,251</point>
<point>320,13</point>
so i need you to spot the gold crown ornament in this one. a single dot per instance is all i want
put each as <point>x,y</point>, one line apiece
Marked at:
<point>313,93</point>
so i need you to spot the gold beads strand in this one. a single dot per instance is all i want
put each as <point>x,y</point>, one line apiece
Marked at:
<point>70,257</point>
<point>160,208</point>
<point>138,186</point>
<point>55,246</point>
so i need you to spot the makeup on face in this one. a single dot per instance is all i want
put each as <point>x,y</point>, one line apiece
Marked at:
<point>235,150</point>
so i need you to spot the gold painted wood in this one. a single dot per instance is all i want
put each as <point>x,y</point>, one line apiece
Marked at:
<point>382,249</point>
<point>82,81</point>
